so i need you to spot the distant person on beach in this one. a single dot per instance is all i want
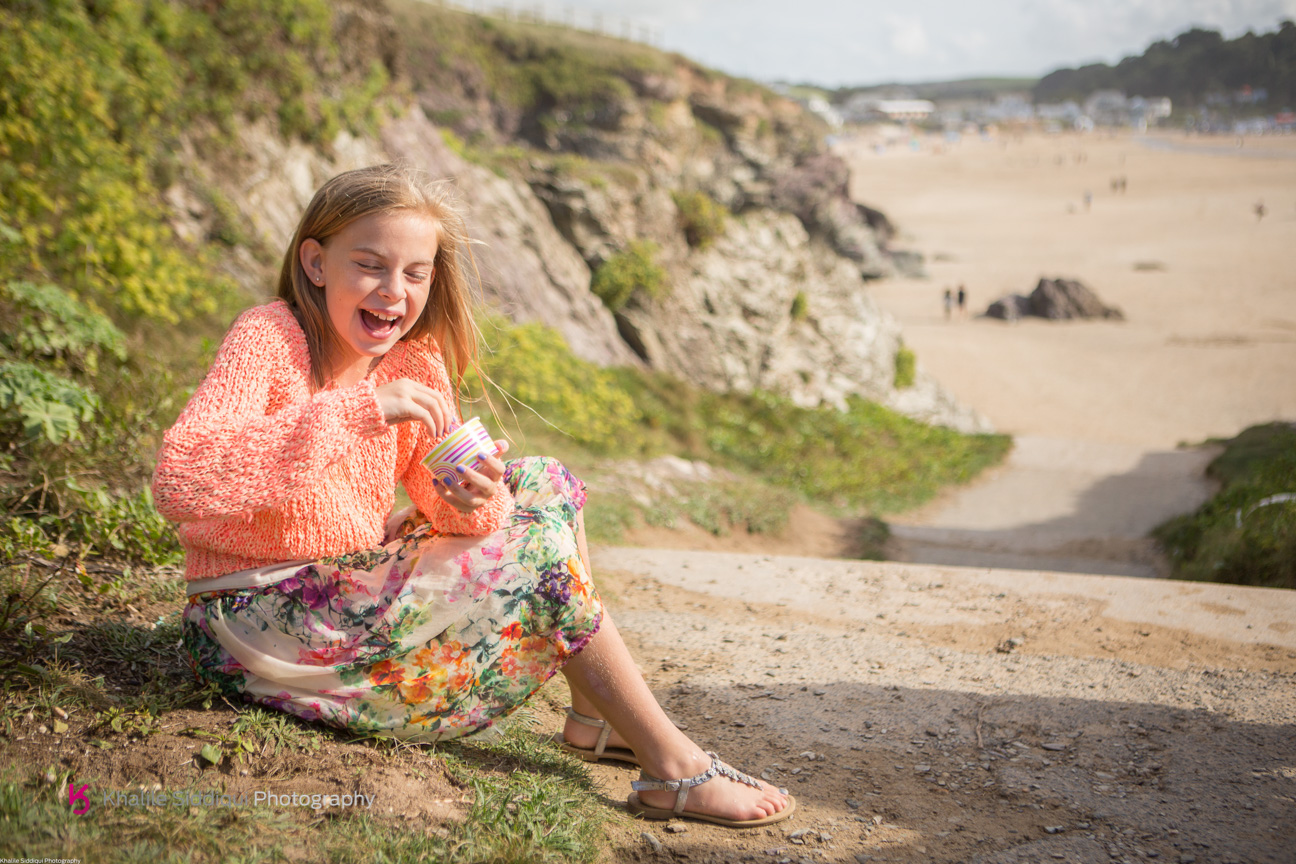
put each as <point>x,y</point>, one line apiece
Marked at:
<point>1259,210</point>
<point>962,302</point>
<point>949,303</point>
<point>309,593</point>
<point>1088,199</point>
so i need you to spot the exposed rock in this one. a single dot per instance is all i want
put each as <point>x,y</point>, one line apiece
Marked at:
<point>776,301</point>
<point>1055,299</point>
<point>816,193</point>
<point>1009,308</point>
<point>1068,298</point>
<point>727,325</point>
<point>528,270</point>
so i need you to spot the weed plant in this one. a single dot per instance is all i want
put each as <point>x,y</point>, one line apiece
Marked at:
<point>906,367</point>
<point>633,270</point>
<point>701,218</point>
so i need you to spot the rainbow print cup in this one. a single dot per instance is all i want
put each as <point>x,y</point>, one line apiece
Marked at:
<point>460,449</point>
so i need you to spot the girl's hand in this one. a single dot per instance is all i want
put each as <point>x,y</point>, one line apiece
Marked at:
<point>403,399</point>
<point>476,485</point>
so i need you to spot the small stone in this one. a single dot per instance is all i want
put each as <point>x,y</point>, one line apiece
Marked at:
<point>740,724</point>
<point>676,828</point>
<point>808,755</point>
<point>43,729</point>
<point>922,769</point>
<point>1054,829</point>
<point>1187,859</point>
<point>862,858</point>
<point>853,804</point>
<point>765,775</point>
<point>1054,746</point>
<point>651,841</point>
<point>820,692</point>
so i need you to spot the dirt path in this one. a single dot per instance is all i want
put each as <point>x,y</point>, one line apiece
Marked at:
<point>940,714</point>
<point>1059,504</point>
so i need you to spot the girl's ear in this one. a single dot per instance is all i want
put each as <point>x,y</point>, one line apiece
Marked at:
<point>311,256</point>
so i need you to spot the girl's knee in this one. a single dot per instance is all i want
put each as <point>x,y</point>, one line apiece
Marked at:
<point>539,480</point>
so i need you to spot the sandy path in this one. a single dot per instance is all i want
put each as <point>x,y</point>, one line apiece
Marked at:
<point>1129,719</point>
<point>1209,346</point>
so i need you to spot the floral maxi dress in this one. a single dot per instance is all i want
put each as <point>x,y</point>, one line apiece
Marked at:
<point>428,638</point>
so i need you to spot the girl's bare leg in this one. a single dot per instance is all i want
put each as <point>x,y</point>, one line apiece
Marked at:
<point>608,681</point>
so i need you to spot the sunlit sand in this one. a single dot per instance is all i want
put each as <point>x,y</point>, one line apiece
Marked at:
<point>1208,290</point>
<point>1208,346</point>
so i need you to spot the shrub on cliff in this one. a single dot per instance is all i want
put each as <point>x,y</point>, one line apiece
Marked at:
<point>96,102</point>
<point>906,367</point>
<point>701,218</point>
<point>634,268</point>
<point>1237,537</point>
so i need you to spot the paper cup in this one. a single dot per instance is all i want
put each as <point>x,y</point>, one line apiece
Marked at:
<point>460,449</point>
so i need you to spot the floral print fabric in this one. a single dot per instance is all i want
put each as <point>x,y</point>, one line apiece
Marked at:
<point>427,638</point>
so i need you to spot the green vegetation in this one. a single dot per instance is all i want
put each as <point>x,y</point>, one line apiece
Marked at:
<point>544,809</point>
<point>1232,537</point>
<point>700,217</point>
<point>543,76</point>
<point>634,268</point>
<point>906,366</point>
<point>96,102</point>
<point>865,458</point>
<point>800,306</point>
<point>1190,68</point>
<point>535,372</point>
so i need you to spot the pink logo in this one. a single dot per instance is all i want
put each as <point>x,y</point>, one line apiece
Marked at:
<point>75,795</point>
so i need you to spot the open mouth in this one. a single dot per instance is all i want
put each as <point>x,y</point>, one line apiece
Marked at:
<point>380,325</point>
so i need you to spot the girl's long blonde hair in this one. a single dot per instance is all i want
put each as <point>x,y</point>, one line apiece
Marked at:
<point>447,319</point>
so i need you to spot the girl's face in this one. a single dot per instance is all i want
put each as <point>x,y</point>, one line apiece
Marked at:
<point>376,274</point>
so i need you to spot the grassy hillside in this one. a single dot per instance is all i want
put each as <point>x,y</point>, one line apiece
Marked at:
<point>1246,534</point>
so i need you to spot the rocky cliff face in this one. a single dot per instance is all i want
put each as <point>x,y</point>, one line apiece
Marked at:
<point>774,297</point>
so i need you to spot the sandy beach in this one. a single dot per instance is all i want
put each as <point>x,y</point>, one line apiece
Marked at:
<point>1099,409</point>
<point>1208,290</point>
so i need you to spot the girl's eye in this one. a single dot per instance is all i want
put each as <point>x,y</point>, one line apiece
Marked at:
<point>369,265</point>
<point>419,276</point>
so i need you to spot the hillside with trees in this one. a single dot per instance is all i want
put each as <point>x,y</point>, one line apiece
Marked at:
<point>1254,72</point>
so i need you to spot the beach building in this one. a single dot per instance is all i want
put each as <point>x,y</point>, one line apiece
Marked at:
<point>866,109</point>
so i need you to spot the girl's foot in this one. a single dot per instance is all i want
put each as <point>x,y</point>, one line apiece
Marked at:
<point>720,797</point>
<point>585,737</point>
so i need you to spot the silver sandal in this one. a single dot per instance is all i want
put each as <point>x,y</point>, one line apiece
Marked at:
<point>648,783</point>
<point>600,750</point>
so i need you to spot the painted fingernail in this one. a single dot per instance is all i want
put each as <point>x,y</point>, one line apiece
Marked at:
<point>459,468</point>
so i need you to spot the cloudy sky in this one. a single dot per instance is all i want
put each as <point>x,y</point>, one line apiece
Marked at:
<point>835,42</point>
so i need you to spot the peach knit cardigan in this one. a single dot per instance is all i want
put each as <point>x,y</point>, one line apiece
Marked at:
<point>259,470</point>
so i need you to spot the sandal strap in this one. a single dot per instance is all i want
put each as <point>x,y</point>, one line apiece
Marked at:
<point>573,714</point>
<point>649,783</point>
